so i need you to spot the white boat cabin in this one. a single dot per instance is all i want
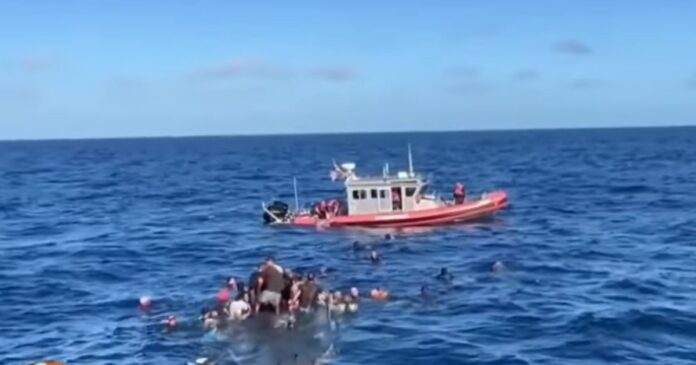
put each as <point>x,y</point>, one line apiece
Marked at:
<point>404,192</point>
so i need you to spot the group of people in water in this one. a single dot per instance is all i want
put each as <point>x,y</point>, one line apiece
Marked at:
<point>275,290</point>
<point>271,288</point>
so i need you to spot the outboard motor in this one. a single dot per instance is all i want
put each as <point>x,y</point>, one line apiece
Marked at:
<point>278,209</point>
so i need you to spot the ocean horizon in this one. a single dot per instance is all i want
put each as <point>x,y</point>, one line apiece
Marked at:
<point>352,133</point>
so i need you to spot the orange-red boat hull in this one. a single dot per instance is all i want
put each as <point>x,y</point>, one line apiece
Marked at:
<point>469,211</point>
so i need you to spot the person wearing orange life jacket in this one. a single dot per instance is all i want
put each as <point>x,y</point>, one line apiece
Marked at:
<point>459,193</point>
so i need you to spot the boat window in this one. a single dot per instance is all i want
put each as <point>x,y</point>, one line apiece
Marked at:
<point>410,192</point>
<point>363,194</point>
<point>383,194</point>
<point>425,189</point>
<point>373,193</point>
<point>356,194</point>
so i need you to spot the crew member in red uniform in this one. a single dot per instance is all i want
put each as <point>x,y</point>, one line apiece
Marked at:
<point>459,193</point>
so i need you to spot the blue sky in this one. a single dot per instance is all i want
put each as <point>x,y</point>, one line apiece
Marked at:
<point>169,68</point>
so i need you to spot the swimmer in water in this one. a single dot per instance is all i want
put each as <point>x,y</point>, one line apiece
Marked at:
<point>357,246</point>
<point>425,294</point>
<point>170,323</point>
<point>211,320</point>
<point>355,293</point>
<point>498,267</point>
<point>224,295</point>
<point>350,305</point>
<point>388,237</point>
<point>239,309</point>
<point>323,298</point>
<point>445,275</point>
<point>375,257</point>
<point>231,283</point>
<point>336,303</point>
<point>145,303</point>
<point>379,294</point>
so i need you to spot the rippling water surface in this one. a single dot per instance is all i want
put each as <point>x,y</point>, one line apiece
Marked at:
<point>599,244</point>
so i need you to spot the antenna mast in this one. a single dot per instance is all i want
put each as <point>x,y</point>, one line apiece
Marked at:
<point>410,161</point>
<point>297,200</point>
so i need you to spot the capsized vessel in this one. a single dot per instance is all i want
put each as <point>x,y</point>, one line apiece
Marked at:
<point>387,201</point>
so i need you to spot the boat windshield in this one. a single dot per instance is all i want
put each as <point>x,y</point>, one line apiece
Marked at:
<point>424,190</point>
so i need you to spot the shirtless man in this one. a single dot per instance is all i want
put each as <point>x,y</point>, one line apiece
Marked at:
<point>309,291</point>
<point>295,292</point>
<point>270,284</point>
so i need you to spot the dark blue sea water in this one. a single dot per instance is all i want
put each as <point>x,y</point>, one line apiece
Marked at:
<point>599,244</point>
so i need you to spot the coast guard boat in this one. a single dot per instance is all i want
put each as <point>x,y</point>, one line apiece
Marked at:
<point>387,201</point>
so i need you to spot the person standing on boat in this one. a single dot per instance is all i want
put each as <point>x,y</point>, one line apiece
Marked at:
<point>270,283</point>
<point>396,199</point>
<point>309,292</point>
<point>323,209</point>
<point>332,208</point>
<point>253,287</point>
<point>459,193</point>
